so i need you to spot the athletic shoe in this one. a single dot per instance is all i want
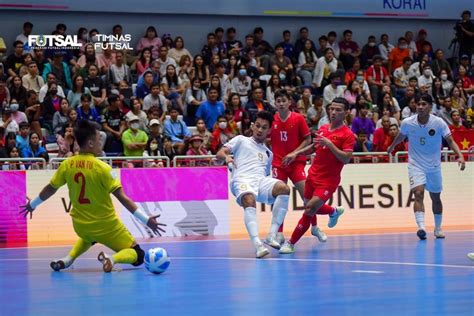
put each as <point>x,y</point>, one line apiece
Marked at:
<point>271,241</point>
<point>287,248</point>
<point>261,251</point>
<point>315,231</point>
<point>439,233</point>
<point>280,238</point>
<point>106,262</point>
<point>471,256</point>
<point>333,219</point>
<point>421,234</point>
<point>57,265</point>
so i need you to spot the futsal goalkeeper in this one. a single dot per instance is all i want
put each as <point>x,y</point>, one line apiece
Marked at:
<point>90,182</point>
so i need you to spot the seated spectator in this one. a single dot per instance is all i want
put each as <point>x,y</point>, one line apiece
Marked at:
<point>437,91</point>
<point>67,143</point>
<point>125,94</point>
<point>17,115</point>
<point>14,61</point>
<point>369,51</point>
<point>201,71</point>
<point>457,123</point>
<point>165,61</point>
<point>362,123</point>
<point>204,133</point>
<point>398,54</point>
<point>362,143</point>
<point>155,145</point>
<point>385,47</point>
<point>194,96</point>
<point>445,82</point>
<point>387,101</point>
<point>50,79</point>
<point>184,70</point>
<point>333,90</point>
<point>4,92</point>
<point>353,90</point>
<point>22,139</point>
<point>306,101</point>
<point>13,153</point>
<point>8,124</point>
<point>246,125</point>
<point>382,137</point>
<point>85,111</point>
<point>210,49</point>
<point>196,148</point>
<point>17,90</point>
<point>34,149</point>
<point>61,118</point>
<point>387,112</point>
<point>144,88</point>
<point>32,80</point>
<point>23,37</point>
<point>96,86</point>
<point>351,74</point>
<point>235,106</point>
<point>113,124</point>
<point>211,109</point>
<point>467,83</point>
<point>50,105</point>
<point>440,63</point>
<point>156,99</point>
<point>257,104</point>
<point>316,113</point>
<point>32,111</point>
<point>233,45</point>
<point>90,58</point>
<point>307,63</point>
<point>177,130</point>
<point>231,124</point>
<point>60,69</point>
<point>402,76</point>
<point>444,109</point>
<point>325,66</point>
<point>232,68</point>
<point>410,109</point>
<point>458,100</point>
<point>144,61</point>
<point>274,84</point>
<point>281,65</point>
<point>150,41</point>
<point>119,71</point>
<point>393,132</point>
<point>173,88</point>
<point>134,139</point>
<point>349,50</point>
<point>222,134</point>
<point>178,51</point>
<point>426,80</point>
<point>78,89</point>
<point>136,111</point>
<point>377,77</point>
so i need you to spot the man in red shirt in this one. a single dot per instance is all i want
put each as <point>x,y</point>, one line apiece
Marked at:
<point>290,133</point>
<point>333,146</point>
<point>377,76</point>
<point>382,139</point>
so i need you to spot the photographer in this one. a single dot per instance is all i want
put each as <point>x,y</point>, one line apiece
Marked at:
<point>465,34</point>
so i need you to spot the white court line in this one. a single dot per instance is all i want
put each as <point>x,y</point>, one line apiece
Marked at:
<point>234,239</point>
<point>394,263</point>
<point>368,271</point>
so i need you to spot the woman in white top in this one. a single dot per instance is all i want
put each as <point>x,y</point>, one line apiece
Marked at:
<point>306,63</point>
<point>325,66</point>
<point>179,51</point>
<point>137,111</point>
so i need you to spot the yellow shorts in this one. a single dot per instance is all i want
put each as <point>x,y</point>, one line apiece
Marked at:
<point>113,235</point>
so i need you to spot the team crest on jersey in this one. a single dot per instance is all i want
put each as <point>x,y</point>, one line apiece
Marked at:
<point>432,132</point>
<point>243,187</point>
<point>260,156</point>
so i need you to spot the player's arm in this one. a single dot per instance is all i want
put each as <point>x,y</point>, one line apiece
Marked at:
<point>400,138</point>
<point>47,192</point>
<point>452,144</point>
<point>225,155</point>
<point>150,221</point>
<point>288,159</point>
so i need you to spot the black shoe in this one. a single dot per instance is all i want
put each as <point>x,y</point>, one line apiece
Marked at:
<point>421,234</point>
<point>57,265</point>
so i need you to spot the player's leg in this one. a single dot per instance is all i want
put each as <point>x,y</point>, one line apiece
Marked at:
<point>434,186</point>
<point>280,195</point>
<point>417,179</point>
<point>78,249</point>
<point>248,202</point>
<point>280,174</point>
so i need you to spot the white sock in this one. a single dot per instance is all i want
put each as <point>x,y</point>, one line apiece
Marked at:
<point>438,219</point>
<point>280,207</point>
<point>68,260</point>
<point>420,219</point>
<point>250,218</point>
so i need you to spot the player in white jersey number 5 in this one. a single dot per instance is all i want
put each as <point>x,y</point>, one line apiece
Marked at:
<point>425,133</point>
<point>252,181</point>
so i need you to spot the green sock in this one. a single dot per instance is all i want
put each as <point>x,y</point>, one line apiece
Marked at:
<point>79,248</point>
<point>125,256</point>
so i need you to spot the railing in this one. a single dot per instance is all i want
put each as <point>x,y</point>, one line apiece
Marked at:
<point>374,157</point>
<point>446,155</point>
<point>33,162</point>
<point>196,160</point>
<point>144,161</point>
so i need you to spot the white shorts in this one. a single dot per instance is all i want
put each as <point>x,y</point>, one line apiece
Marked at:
<point>261,188</point>
<point>432,180</point>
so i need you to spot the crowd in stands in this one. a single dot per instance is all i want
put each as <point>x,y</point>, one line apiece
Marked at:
<point>160,99</point>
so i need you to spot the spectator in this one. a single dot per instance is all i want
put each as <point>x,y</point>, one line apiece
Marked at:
<point>134,139</point>
<point>385,111</point>
<point>224,81</point>
<point>305,102</point>
<point>411,45</point>
<point>393,132</point>
<point>144,61</point>
<point>150,41</point>
<point>17,115</point>
<point>457,99</point>
<point>333,90</point>
<point>397,56</point>
<point>274,84</point>
<point>8,124</point>
<point>14,61</point>
<point>457,123</point>
<point>34,148</point>
<point>316,113</point>
<point>50,79</point>
<point>387,100</point>
<point>377,76</point>
<point>177,130</point>
<point>349,50</point>
<point>210,49</point>
<point>246,125</point>
<point>382,138</point>
<point>362,123</point>
<point>78,89</point>
<point>22,139</point>
<point>211,109</point>
<point>50,105</point>
<point>216,83</point>
<point>27,58</point>
<point>185,70</point>
<point>179,51</point>
<point>402,75</point>
<point>32,111</point>
<point>231,123</point>
<point>353,90</point>
<point>241,85</point>
<point>440,63</point>
<point>60,70</point>
<point>12,153</point>
<point>119,71</point>
<point>301,41</point>
<point>410,109</point>
<point>287,46</point>
<point>262,48</point>
<point>323,44</point>
<point>196,148</point>
<point>167,41</point>
<point>60,118</point>
<point>154,145</point>
<point>204,133</point>
<point>32,80</point>
<point>96,86</point>
<point>90,57</point>
<point>444,109</point>
<point>325,66</point>
<point>437,91</point>
<point>86,112</point>
<point>23,37</point>
<point>446,83</point>
<point>257,104</point>
<point>369,51</point>
<point>165,61</point>
<point>201,71</point>
<point>4,93</point>
<point>137,111</point>
<point>385,47</point>
<point>467,83</point>
<point>233,45</point>
<point>195,95</point>
<point>173,88</point>
<point>156,99</point>
<point>351,74</point>
<point>362,143</point>
<point>144,89</point>
<point>281,65</point>
<point>421,41</point>
<point>17,91</point>
<point>333,44</point>
<point>307,63</point>
<point>113,124</point>
<point>67,143</point>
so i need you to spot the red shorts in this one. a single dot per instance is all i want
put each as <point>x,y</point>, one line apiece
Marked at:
<point>295,172</point>
<point>321,190</point>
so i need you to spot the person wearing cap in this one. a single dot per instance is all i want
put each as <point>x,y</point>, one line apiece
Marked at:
<point>465,35</point>
<point>134,140</point>
<point>195,148</point>
<point>377,77</point>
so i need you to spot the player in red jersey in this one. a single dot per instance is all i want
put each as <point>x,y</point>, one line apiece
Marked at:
<point>290,133</point>
<point>333,146</point>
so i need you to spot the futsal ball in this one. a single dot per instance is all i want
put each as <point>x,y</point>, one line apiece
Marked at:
<point>157,260</point>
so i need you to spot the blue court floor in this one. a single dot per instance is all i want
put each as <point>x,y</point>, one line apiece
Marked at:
<point>392,274</point>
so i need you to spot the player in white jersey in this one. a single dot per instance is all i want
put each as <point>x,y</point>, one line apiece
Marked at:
<point>425,133</point>
<point>252,182</point>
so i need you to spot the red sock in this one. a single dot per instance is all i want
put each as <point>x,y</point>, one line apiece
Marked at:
<point>300,229</point>
<point>326,209</point>
<point>280,230</point>
<point>314,220</point>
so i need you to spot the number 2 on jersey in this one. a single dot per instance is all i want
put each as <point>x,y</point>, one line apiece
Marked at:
<point>79,178</point>
<point>284,136</point>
